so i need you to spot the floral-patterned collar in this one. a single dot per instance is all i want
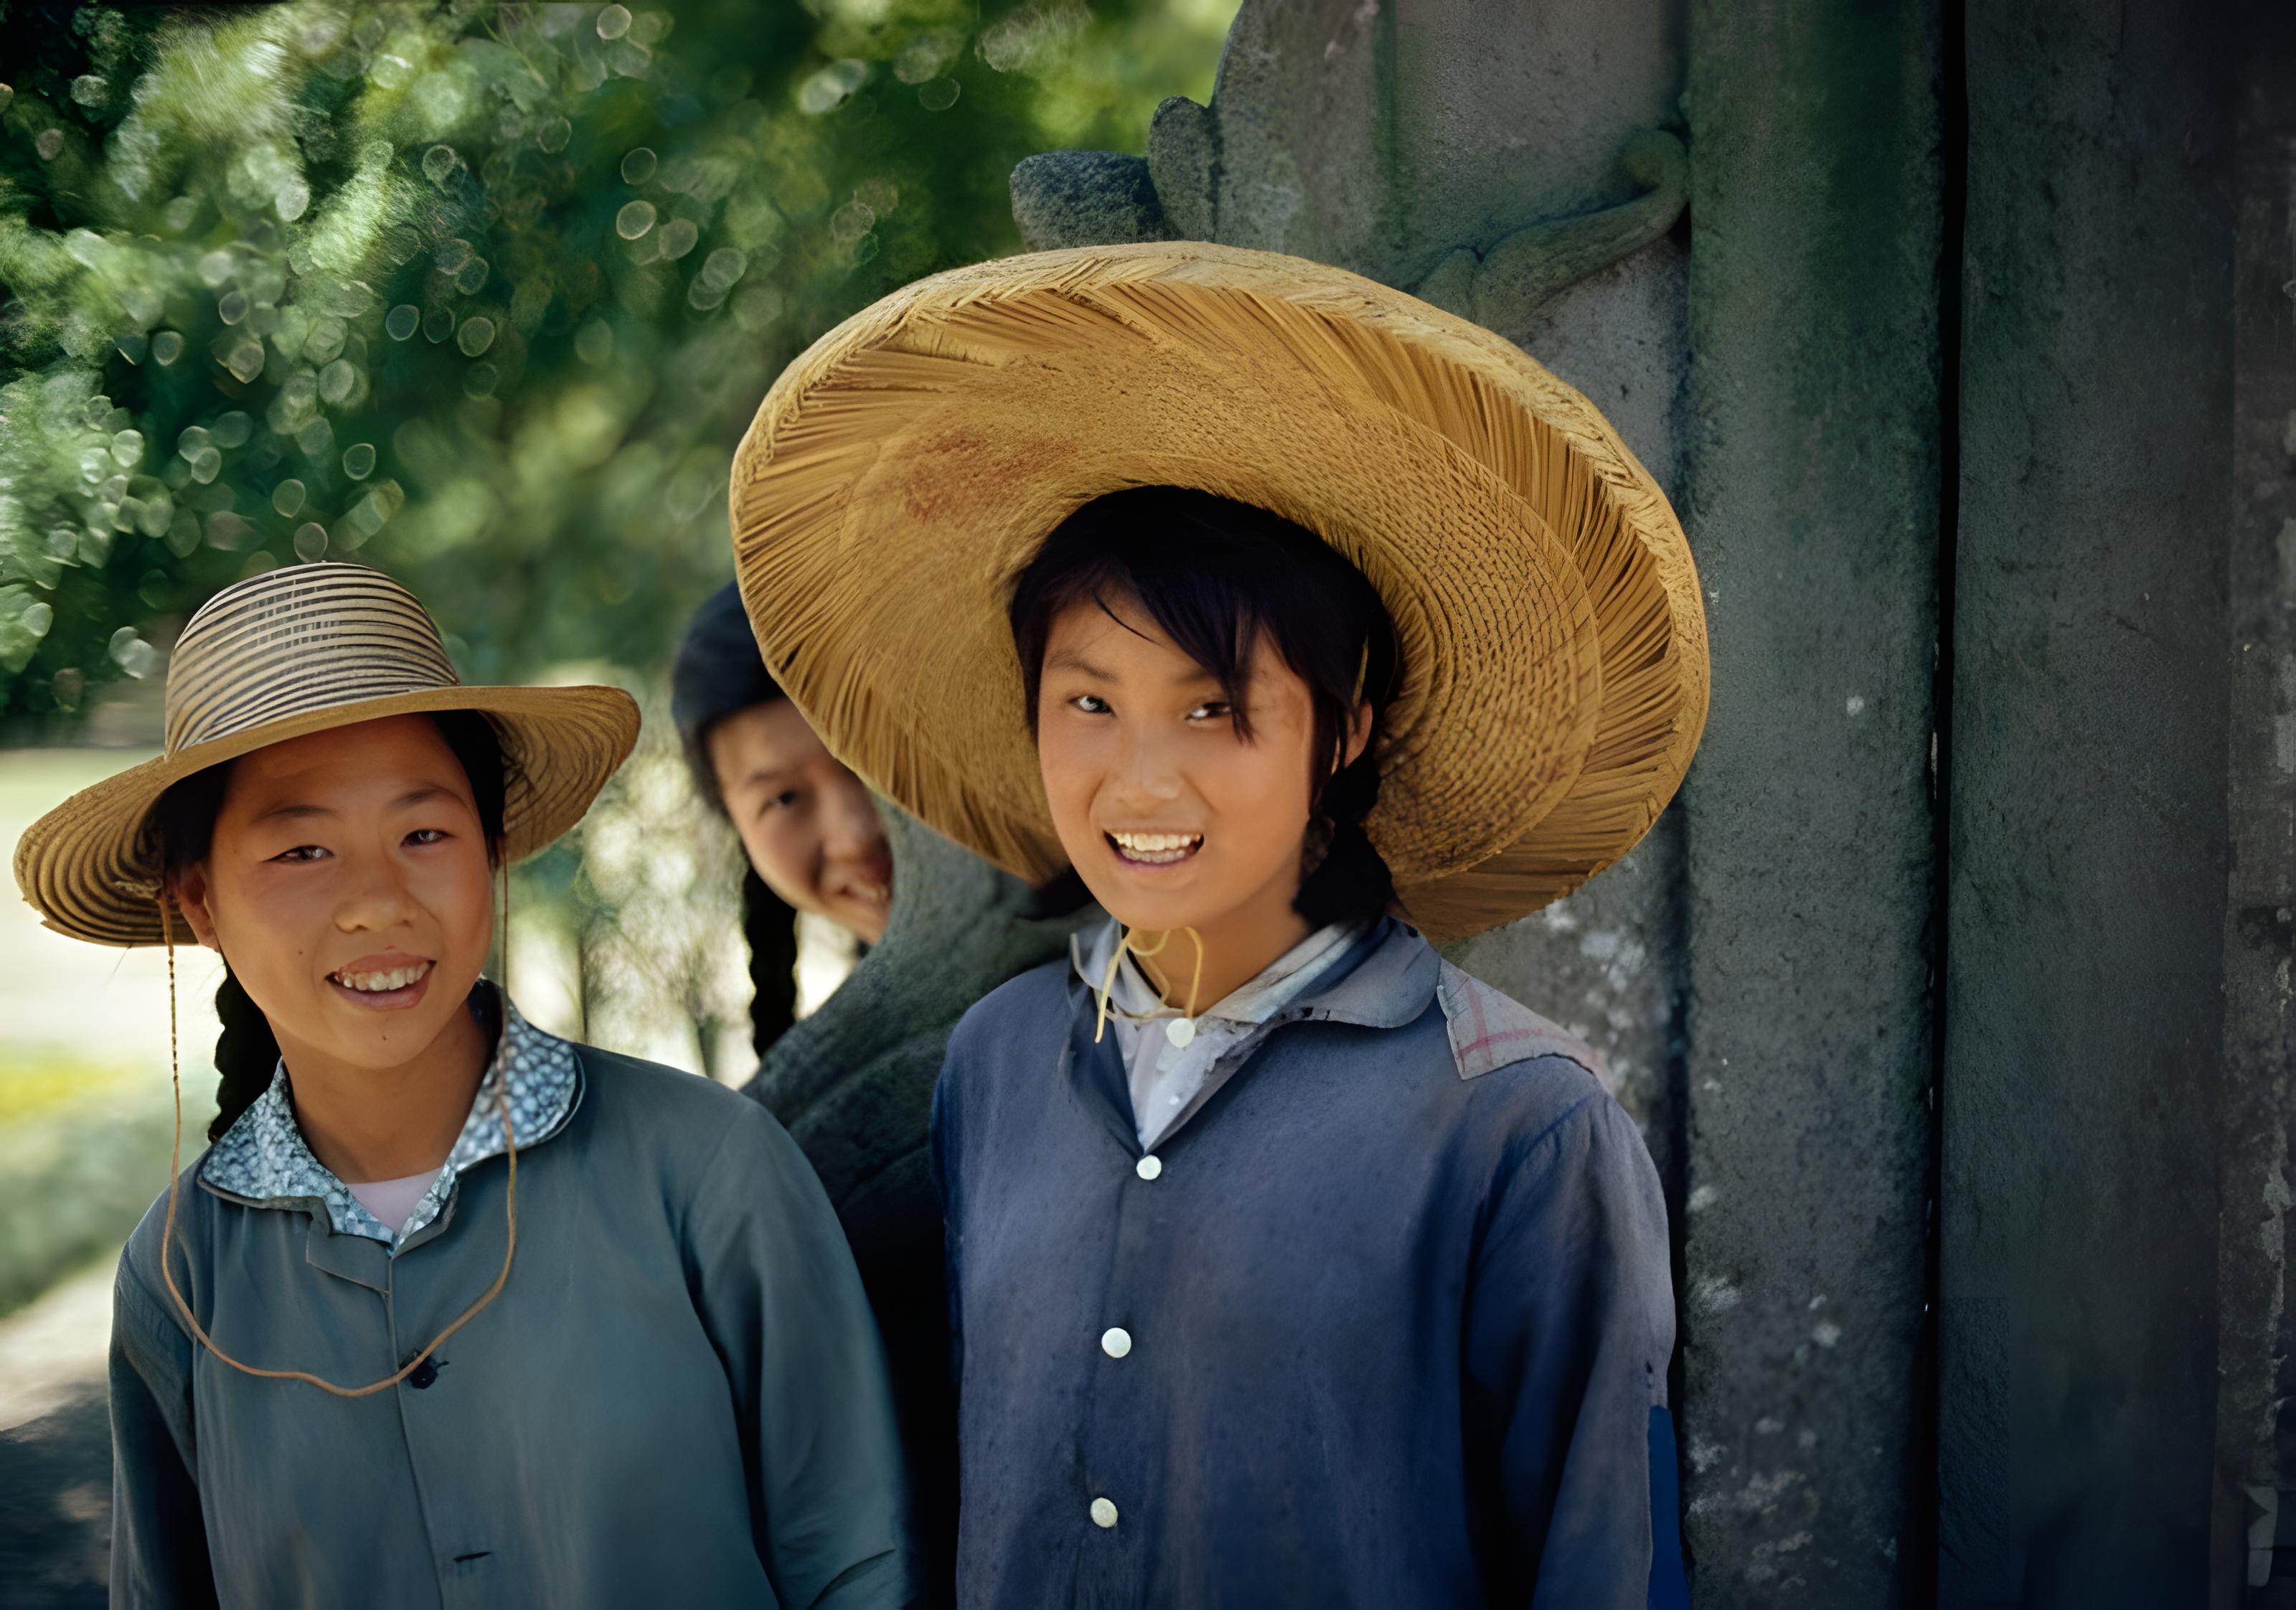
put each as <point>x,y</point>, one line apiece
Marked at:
<point>263,1158</point>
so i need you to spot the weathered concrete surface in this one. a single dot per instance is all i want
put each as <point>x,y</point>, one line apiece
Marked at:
<point>1381,138</point>
<point>2083,1017</point>
<point>1605,963</point>
<point>2253,1552</point>
<point>1812,506</point>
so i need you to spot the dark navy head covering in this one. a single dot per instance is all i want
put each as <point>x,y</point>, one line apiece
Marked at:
<point>718,671</point>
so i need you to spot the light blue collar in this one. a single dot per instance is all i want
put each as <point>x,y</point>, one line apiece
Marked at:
<point>1274,987</point>
<point>262,1158</point>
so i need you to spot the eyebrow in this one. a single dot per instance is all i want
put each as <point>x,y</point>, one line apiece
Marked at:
<point>1069,659</point>
<point>284,813</point>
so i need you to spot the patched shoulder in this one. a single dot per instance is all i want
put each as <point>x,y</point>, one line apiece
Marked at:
<point>1490,1032</point>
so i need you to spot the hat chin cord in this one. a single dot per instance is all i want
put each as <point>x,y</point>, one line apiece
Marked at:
<point>175,1165</point>
<point>1108,982</point>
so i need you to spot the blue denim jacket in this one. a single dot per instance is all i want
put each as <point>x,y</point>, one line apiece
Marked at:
<point>1384,1321</point>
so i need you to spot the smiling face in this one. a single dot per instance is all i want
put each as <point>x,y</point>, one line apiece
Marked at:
<point>809,827</point>
<point>1172,817</point>
<point>348,885</point>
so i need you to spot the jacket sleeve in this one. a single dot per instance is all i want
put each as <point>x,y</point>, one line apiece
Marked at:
<point>159,1535</point>
<point>1569,1326</point>
<point>776,1287</point>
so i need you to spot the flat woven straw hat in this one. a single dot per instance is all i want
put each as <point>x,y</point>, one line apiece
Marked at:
<point>903,471</point>
<point>290,652</point>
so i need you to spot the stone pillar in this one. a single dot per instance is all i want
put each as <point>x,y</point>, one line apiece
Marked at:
<point>1813,507</point>
<point>2253,1557</point>
<point>2085,1016</point>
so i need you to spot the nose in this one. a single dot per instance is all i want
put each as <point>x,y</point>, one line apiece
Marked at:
<point>1147,771</point>
<point>851,829</point>
<point>375,898</point>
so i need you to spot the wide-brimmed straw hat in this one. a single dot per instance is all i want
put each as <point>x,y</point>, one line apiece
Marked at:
<point>288,652</point>
<point>905,469</point>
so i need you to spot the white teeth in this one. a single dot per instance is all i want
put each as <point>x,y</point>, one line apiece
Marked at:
<point>1157,848</point>
<point>377,983</point>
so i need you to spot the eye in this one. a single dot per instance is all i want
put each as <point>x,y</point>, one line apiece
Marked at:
<point>302,853</point>
<point>780,801</point>
<point>1092,704</point>
<point>427,835</point>
<point>1212,709</point>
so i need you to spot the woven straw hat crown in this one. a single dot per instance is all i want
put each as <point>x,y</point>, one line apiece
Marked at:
<point>902,473</point>
<point>288,641</point>
<point>281,656</point>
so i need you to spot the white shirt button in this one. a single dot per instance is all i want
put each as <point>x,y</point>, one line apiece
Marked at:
<point>1116,1341</point>
<point>1180,1031</point>
<point>1104,1514</point>
<point>1149,1167</point>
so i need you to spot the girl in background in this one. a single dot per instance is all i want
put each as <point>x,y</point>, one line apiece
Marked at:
<point>809,828</point>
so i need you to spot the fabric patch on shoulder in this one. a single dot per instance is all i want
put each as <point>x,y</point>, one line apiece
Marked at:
<point>1489,1032</point>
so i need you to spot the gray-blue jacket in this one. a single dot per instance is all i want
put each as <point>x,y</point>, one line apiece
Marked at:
<point>678,1398</point>
<point>1384,1321</point>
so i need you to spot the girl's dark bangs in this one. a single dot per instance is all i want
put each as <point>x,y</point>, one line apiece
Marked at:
<point>1206,617</point>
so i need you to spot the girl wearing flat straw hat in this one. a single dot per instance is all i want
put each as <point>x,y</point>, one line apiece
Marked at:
<point>451,1309</point>
<point>1306,624</point>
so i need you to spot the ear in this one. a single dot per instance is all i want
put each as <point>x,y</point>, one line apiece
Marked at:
<point>189,886</point>
<point>1358,733</point>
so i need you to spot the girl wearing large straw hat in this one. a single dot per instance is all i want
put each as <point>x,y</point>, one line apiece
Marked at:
<point>452,1308</point>
<point>1304,623</point>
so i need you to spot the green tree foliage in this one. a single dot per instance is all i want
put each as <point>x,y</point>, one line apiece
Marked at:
<point>484,294</point>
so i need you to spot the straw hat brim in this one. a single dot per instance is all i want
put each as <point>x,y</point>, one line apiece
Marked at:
<point>91,867</point>
<point>902,471</point>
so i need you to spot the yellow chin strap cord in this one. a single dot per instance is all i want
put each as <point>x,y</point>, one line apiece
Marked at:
<point>1125,946</point>
<point>175,1165</point>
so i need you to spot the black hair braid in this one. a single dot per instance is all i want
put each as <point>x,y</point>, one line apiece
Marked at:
<point>1351,880</point>
<point>247,1054</point>
<point>769,924</point>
